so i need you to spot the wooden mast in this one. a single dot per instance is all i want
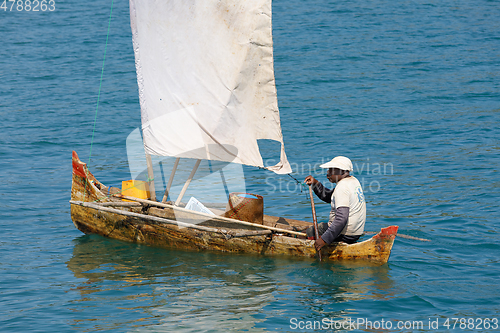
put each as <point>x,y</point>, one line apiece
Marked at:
<point>151,177</point>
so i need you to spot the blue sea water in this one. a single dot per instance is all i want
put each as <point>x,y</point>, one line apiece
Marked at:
<point>409,90</point>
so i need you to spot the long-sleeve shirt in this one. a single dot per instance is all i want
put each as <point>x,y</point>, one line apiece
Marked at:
<point>340,227</point>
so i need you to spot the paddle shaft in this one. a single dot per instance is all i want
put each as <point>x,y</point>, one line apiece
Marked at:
<point>315,220</point>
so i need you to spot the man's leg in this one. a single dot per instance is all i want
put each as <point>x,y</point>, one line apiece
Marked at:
<point>322,227</point>
<point>347,239</point>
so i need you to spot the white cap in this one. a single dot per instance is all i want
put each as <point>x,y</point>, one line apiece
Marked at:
<point>339,162</point>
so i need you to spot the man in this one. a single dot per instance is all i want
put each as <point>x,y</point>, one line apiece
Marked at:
<point>347,217</point>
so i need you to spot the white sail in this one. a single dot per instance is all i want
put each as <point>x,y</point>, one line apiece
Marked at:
<point>206,79</point>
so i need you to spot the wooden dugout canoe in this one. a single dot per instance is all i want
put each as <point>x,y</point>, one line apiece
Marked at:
<point>93,210</point>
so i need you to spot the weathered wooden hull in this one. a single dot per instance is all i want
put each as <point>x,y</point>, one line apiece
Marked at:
<point>163,227</point>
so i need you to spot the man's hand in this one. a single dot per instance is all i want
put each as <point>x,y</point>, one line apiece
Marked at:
<point>310,180</point>
<point>319,243</point>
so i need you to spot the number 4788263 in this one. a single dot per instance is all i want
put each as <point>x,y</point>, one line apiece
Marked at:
<point>28,5</point>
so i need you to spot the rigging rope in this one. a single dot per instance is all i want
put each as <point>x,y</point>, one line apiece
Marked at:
<point>301,184</point>
<point>100,82</point>
<point>99,92</point>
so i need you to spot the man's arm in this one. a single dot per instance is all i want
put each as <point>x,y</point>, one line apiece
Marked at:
<point>322,192</point>
<point>338,224</point>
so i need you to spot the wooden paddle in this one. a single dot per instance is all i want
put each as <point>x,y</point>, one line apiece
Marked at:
<point>315,220</point>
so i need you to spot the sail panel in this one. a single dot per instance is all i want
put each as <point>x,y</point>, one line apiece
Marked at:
<point>206,79</point>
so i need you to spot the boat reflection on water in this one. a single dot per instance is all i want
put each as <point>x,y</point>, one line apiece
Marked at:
<point>130,285</point>
<point>361,280</point>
